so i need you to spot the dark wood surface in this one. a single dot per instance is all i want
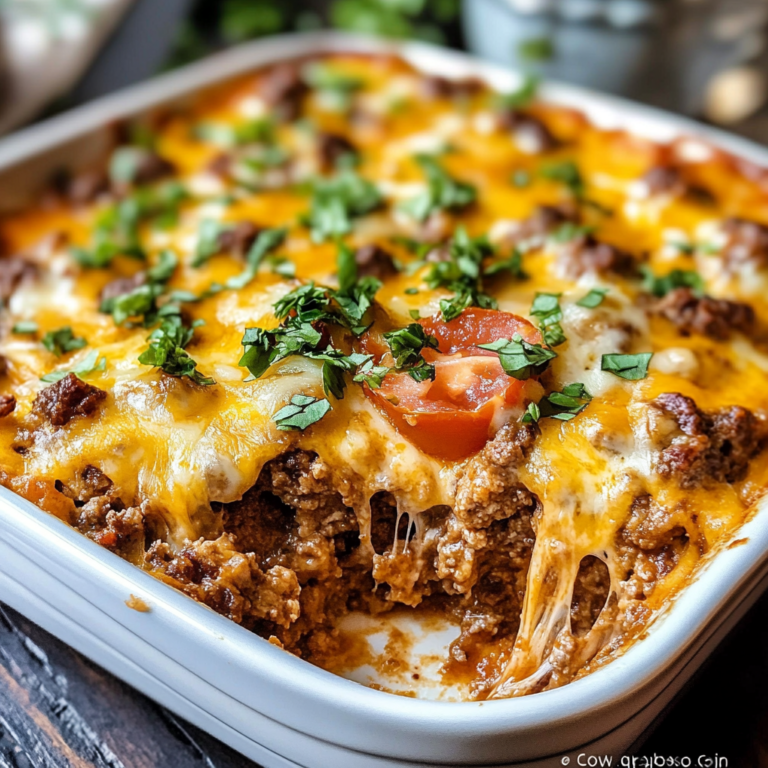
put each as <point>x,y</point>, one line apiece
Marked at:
<point>57,709</point>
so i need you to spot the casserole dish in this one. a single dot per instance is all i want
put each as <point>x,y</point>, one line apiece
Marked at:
<point>273,701</point>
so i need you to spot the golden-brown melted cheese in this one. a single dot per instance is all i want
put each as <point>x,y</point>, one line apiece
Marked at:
<point>181,447</point>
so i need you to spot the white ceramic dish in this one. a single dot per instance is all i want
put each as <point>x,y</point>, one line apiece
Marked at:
<point>269,704</point>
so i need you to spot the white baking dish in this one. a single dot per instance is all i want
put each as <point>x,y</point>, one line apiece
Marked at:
<point>261,700</point>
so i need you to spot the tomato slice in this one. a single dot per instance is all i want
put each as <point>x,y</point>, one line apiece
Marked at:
<point>455,415</point>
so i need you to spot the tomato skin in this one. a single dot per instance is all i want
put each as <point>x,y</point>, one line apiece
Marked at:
<point>454,416</point>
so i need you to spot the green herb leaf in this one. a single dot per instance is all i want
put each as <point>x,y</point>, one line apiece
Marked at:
<point>546,307</point>
<point>522,97</point>
<point>301,413</point>
<point>630,367</point>
<point>167,351</point>
<point>570,231</point>
<point>335,89</point>
<point>62,341</point>
<point>443,191</point>
<point>261,131</point>
<point>370,374</point>
<point>677,278</point>
<point>407,345</point>
<point>208,241</point>
<point>346,268</point>
<point>563,406</point>
<point>513,265</point>
<point>336,201</point>
<point>593,299</point>
<point>89,364</point>
<point>267,241</point>
<point>532,414</point>
<point>565,172</point>
<point>24,328</point>
<point>519,358</point>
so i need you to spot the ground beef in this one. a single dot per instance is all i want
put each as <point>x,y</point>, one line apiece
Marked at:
<point>7,405</point>
<point>434,87</point>
<point>63,401</point>
<point>218,574</point>
<point>700,447</point>
<point>590,594</point>
<point>14,271</point>
<point>716,318</point>
<point>107,521</point>
<point>283,90</point>
<point>221,166</point>
<point>545,220</point>
<point>238,239</point>
<point>331,147</point>
<point>152,167</point>
<point>121,286</point>
<point>374,261</point>
<point>747,242</point>
<point>530,132</point>
<point>85,187</point>
<point>586,254</point>
<point>86,485</point>
<point>666,179</point>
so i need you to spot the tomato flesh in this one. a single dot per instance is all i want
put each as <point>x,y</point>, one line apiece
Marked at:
<point>454,416</point>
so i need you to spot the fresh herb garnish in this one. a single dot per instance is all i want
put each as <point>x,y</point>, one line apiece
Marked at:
<point>24,328</point>
<point>546,308</point>
<point>406,346</point>
<point>569,231</point>
<point>462,275</point>
<point>267,241</point>
<point>519,358</point>
<point>335,89</point>
<point>261,131</point>
<point>89,364</point>
<point>563,406</point>
<point>336,201</point>
<point>370,374</point>
<point>677,278</point>
<point>520,98</point>
<point>302,412</point>
<point>61,341</point>
<point>513,265</point>
<point>630,367</point>
<point>208,240</point>
<point>565,172</point>
<point>593,299</point>
<point>443,191</point>
<point>167,350</point>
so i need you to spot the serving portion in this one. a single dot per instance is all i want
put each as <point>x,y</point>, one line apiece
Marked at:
<point>345,337</point>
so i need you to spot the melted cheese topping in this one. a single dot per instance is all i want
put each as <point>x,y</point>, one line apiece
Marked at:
<point>182,447</point>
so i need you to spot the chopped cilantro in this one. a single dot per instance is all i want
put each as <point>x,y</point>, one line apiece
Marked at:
<point>335,89</point>
<point>336,201</point>
<point>630,367</point>
<point>208,238</point>
<point>411,291</point>
<point>565,172</point>
<point>62,341</point>
<point>167,351</point>
<point>370,374</point>
<point>519,358</point>
<point>546,308</point>
<point>593,299</point>
<point>25,328</point>
<point>89,364</point>
<point>302,412</point>
<point>443,191</point>
<point>267,241</point>
<point>260,131</point>
<point>407,345</point>
<point>513,264</point>
<point>522,97</point>
<point>677,278</point>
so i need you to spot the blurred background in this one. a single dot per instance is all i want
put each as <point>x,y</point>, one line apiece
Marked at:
<point>704,58</point>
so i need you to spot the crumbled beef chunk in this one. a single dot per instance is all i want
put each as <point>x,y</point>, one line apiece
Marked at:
<point>3,365</point>
<point>70,397</point>
<point>121,286</point>
<point>747,242</point>
<point>666,179</point>
<point>716,318</point>
<point>220,166</point>
<point>13,272</point>
<point>238,239</point>
<point>152,167</point>
<point>86,485</point>
<point>7,405</point>
<point>715,446</point>
<point>545,220</point>
<point>586,254</point>
<point>590,593</point>
<point>85,187</point>
<point>107,521</point>
<point>530,132</point>
<point>229,581</point>
<point>283,89</point>
<point>331,147</point>
<point>435,87</point>
<point>373,261</point>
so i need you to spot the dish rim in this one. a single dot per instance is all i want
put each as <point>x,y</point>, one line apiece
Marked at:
<point>623,684</point>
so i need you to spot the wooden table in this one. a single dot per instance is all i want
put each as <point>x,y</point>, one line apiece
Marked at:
<point>57,709</point>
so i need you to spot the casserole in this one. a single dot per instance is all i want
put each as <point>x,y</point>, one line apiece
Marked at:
<point>480,733</point>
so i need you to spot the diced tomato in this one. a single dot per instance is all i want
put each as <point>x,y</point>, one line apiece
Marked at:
<point>455,415</point>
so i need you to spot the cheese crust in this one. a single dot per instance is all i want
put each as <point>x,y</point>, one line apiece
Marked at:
<point>556,536</point>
